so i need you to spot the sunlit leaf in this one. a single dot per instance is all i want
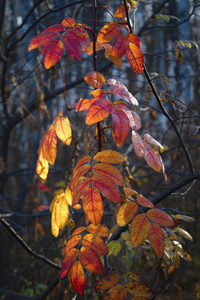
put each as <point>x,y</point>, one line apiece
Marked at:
<point>139,290</point>
<point>55,28</point>
<point>81,34</point>
<point>68,196</point>
<point>59,195</point>
<point>94,79</point>
<point>90,260</point>
<point>149,139</point>
<point>99,93</point>
<point>117,292</point>
<point>60,212</point>
<point>42,167</point>
<point>156,239</point>
<point>98,111</point>
<point>121,11</point>
<point>52,53</point>
<point>141,200</point>
<point>107,187</point>
<point>72,46</point>
<point>120,46</point>
<point>129,191</point>
<point>100,229</point>
<point>78,230</point>
<point>126,213</point>
<point>114,247</point>
<point>138,144</point>
<point>121,126</point>
<point>63,129</point>
<point>93,205</point>
<point>54,228</point>
<point>69,22</point>
<point>139,230</point>
<point>124,94</point>
<point>135,58</point>
<point>107,282</point>
<point>117,61</point>
<point>153,158</point>
<point>160,217</point>
<point>134,39</point>
<point>82,161</point>
<point>80,189</point>
<point>109,156</point>
<point>75,239</point>
<point>68,262</point>
<point>77,277</point>
<point>49,145</point>
<point>96,243</point>
<point>184,233</point>
<point>78,173</point>
<point>42,38</point>
<point>109,170</point>
<point>90,48</point>
<point>108,32</point>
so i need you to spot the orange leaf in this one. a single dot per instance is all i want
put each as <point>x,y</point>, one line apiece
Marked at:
<point>135,58</point>
<point>100,230</point>
<point>90,260</point>
<point>117,292</point>
<point>63,129</point>
<point>93,205</point>
<point>78,173</point>
<point>69,22</point>
<point>99,93</point>
<point>129,191</point>
<point>110,171</point>
<point>52,53</point>
<point>80,189</point>
<point>116,60</point>
<point>42,167</point>
<point>75,239</point>
<point>108,32</point>
<point>139,290</point>
<point>138,144</point>
<point>82,161</point>
<point>107,187</point>
<point>98,111</point>
<point>139,230</point>
<point>120,46</point>
<point>109,156</point>
<point>156,239</point>
<point>49,145</point>
<point>84,104</point>
<point>78,230</point>
<point>134,39</point>
<point>107,282</point>
<point>126,213</point>
<point>42,38</point>
<point>121,126</point>
<point>141,200</point>
<point>94,79</point>
<point>72,46</point>
<point>90,49</point>
<point>68,262</point>
<point>121,11</point>
<point>95,243</point>
<point>160,217</point>
<point>77,277</point>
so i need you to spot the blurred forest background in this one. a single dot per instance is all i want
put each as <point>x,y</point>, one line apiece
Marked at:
<point>31,97</point>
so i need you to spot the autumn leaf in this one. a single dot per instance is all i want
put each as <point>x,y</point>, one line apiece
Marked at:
<point>77,277</point>
<point>60,212</point>
<point>139,290</point>
<point>114,247</point>
<point>98,111</point>
<point>63,129</point>
<point>42,38</point>
<point>90,260</point>
<point>68,196</point>
<point>93,205</point>
<point>121,11</point>
<point>69,22</point>
<point>124,94</point>
<point>126,213</point>
<point>55,28</point>
<point>73,241</point>
<point>134,39</point>
<point>108,32</point>
<point>110,171</point>
<point>138,144</point>
<point>80,189</point>
<point>68,262</point>
<point>129,191</point>
<point>156,239</point>
<point>78,173</point>
<point>94,79</point>
<point>107,282</point>
<point>42,167</point>
<point>135,58</point>
<point>121,126</point>
<point>81,34</point>
<point>149,139</point>
<point>160,217</point>
<point>78,230</point>
<point>96,243</point>
<point>49,145</point>
<point>117,292</point>
<point>72,46</point>
<point>119,47</point>
<point>117,61</point>
<point>109,156</point>
<point>100,230</point>
<point>139,230</point>
<point>82,161</point>
<point>141,200</point>
<point>52,53</point>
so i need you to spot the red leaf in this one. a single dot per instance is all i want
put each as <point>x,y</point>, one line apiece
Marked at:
<point>93,205</point>
<point>55,28</point>
<point>109,156</point>
<point>94,79</point>
<point>139,230</point>
<point>160,217</point>
<point>135,58</point>
<point>126,213</point>
<point>99,111</point>
<point>80,33</point>
<point>68,262</point>
<point>108,32</point>
<point>149,139</point>
<point>134,39</point>
<point>69,22</point>
<point>120,46</point>
<point>124,94</point>
<point>109,171</point>
<point>41,39</point>
<point>152,158</point>
<point>107,187</point>
<point>90,260</point>
<point>52,53</point>
<point>156,239</point>
<point>134,119</point>
<point>77,277</point>
<point>141,200</point>
<point>121,126</point>
<point>80,189</point>
<point>72,46</point>
<point>138,144</point>
<point>95,243</point>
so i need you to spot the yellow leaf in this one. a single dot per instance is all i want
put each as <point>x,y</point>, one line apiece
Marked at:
<point>117,292</point>
<point>42,167</point>
<point>137,289</point>
<point>126,213</point>
<point>68,196</point>
<point>60,211</point>
<point>114,247</point>
<point>63,129</point>
<point>139,230</point>
<point>109,156</point>
<point>107,282</point>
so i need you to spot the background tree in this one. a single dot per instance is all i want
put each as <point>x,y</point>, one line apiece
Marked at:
<point>31,97</point>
